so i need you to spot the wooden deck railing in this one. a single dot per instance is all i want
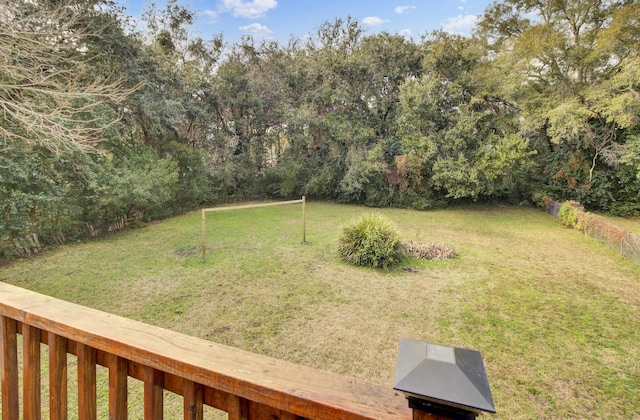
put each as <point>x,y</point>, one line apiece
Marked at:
<point>245,385</point>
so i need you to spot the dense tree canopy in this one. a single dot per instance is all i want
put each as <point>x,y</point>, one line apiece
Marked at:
<point>101,122</point>
<point>572,69</point>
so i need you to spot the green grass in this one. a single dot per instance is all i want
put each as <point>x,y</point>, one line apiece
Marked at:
<point>554,312</point>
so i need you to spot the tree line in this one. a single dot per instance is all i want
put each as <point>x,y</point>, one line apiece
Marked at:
<point>101,121</point>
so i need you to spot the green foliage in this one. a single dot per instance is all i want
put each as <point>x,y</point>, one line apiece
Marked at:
<point>136,224</point>
<point>466,141</point>
<point>57,196</point>
<point>569,213</point>
<point>626,191</point>
<point>363,168</point>
<point>541,200</point>
<point>549,105</point>
<point>193,188</point>
<point>370,240</point>
<point>41,192</point>
<point>137,185</point>
<point>233,178</point>
<point>573,215</point>
<point>574,73</point>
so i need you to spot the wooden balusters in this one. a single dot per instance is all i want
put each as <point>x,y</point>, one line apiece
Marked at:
<point>31,401</point>
<point>193,395</point>
<point>9,368</point>
<point>202,372</point>
<point>117,387</point>
<point>153,390</point>
<point>87,383</point>
<point>57,377</point>
<point>238,408</point>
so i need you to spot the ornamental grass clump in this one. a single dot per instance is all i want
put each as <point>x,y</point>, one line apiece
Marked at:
<point>371,241</point>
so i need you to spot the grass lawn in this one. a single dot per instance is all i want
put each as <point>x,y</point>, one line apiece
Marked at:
<point>555,313</point>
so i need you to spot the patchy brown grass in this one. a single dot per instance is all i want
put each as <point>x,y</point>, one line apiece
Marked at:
<point>554,312</point>
<point>631,224</point>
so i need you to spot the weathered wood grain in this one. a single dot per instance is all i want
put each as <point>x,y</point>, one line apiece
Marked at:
<point>193,395</point>
<point>87,397</point>
<point>153,393</point>
<point>118,395</point>
<point>57,375</point>
<point>31,401</point>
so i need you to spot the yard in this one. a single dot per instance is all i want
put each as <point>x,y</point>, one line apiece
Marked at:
<point>555,314</point>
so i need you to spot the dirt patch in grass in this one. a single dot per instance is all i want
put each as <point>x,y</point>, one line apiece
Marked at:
<point>186,252</point>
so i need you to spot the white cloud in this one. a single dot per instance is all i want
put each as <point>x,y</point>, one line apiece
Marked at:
<point>250,9</point>
<point>404,9</point>
<point>406,33</point>
<point>373,21</point>
<point>257,30</point>
<point>211,14</point>
<point>460,24</point>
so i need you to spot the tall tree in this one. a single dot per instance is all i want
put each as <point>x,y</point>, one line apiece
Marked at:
<point>176,71</point>
<point>572,68</point>
<point>461,138</point>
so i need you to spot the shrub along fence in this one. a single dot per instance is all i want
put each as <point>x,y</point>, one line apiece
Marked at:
<point>33,243</point>
<point>572,214</point>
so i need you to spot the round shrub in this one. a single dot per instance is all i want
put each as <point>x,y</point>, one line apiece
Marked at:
<point>371,241</point>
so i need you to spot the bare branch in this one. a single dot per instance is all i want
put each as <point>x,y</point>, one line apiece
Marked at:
<point>49,93</point>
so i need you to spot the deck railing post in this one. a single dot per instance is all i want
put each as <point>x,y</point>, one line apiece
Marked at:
<point>9,368</point>
<point>238,408</point>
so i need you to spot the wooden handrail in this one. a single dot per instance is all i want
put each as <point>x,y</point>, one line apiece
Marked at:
<point>243,384</point>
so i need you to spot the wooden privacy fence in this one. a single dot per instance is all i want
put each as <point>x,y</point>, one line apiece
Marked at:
<point>245,385</point>
<point>253,206</point>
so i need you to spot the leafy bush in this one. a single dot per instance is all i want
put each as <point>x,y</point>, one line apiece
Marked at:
<point>542,200</point>
<point>142,184</point>
<point>569,213</point>
<point>372,241</point>
<point>428,251</point>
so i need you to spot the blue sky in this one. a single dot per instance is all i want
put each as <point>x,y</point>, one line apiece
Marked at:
<point>278,19</point>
